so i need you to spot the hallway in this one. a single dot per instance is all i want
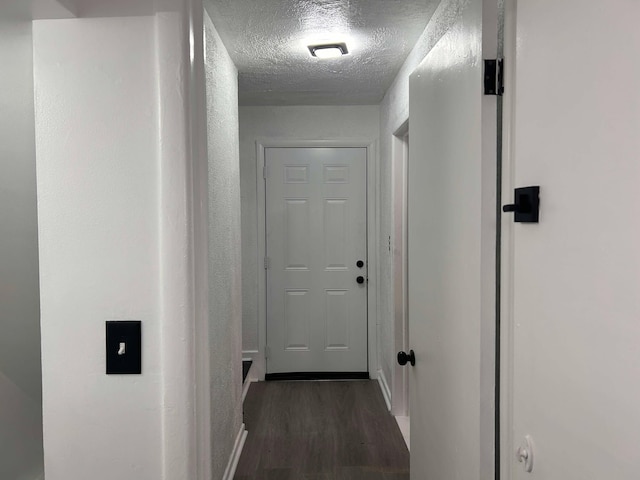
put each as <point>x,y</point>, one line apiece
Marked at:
<point>320,431</point>
<point>186,185</point>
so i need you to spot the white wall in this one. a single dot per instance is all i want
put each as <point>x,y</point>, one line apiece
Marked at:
<point>20,371</point>
<point>225,284</point>
<point>98,193</point>
<point>394,111</point>
<point>126,193</point>
<point>303,123</point>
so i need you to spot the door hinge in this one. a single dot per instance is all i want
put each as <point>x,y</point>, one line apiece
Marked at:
<point>267,263</point>
<point>267,352</point>
<point>494,76</point>
<point>264,171</point>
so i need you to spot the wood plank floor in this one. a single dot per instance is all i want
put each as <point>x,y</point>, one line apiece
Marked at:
<point>320,431</point>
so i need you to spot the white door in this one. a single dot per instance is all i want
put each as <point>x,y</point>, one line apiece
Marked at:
<point>316,224</point>
<point>452,240</point>
<point>573,306</point>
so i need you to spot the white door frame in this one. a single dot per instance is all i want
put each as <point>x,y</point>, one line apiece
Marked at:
<point>400,162</point>
<point>372,241</point>
<point>507,249</point>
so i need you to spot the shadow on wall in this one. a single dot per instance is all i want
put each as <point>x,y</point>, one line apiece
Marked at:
<point>21,453</point>
<point>20,434</point>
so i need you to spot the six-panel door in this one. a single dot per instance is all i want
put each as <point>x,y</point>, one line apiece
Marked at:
<point>316,233</point>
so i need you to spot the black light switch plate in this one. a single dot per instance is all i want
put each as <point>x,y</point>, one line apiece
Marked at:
<point>124,347</point>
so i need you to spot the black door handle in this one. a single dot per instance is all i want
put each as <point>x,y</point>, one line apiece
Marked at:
<point>360,279</point>
<point>404,357</point>
<point>359,264</point>
<point>526,206</point>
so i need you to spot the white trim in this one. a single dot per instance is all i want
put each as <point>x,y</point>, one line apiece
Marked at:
<point>399,266</point>
<point>384,387</point>
<point>245,387</point>
<point>372,241</point>
<point>234,458</point>
<point>488,238</point>
<point>507,245</point>
<point>404,424</point>
<point>373,252</point>
<point>255,356</point>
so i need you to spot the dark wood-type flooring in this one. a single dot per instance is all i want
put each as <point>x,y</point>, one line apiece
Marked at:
<point>320,431</point>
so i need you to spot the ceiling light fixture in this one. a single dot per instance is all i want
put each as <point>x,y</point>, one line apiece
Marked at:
<point>329,50</point>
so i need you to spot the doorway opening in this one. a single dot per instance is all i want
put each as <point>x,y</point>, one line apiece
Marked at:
<point>313,328</point>
<point>400,166</point>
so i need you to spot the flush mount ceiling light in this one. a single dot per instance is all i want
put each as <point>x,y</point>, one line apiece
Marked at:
<point>328,50</point>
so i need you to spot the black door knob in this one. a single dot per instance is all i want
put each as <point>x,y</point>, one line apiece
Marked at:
<point>359,264</point>
<point>404,357</point>
<point>360,279</point>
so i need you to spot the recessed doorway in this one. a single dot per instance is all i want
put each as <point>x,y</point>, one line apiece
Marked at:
<point>400,165</point>
<point>316,261</point>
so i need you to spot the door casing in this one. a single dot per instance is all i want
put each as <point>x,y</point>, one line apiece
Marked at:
<point>506,249</point>
<point>400,380</point>
<point>373,209</point>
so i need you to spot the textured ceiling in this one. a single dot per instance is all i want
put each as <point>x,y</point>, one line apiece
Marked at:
<point>267,40</point>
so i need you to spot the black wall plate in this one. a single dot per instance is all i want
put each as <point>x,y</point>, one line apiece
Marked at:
<point>124,347</point>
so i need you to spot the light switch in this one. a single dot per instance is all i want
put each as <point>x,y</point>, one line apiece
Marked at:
<point>124,347</point>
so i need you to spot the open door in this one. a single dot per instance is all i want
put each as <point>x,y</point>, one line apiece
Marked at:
<point>572,281</point>
<point>452,238</point>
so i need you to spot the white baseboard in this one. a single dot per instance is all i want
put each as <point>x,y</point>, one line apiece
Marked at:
<point>245,388</point>
<point>258,365</point>
<point>405,429</point>
<point>230,471</point>
<point>384,386</point>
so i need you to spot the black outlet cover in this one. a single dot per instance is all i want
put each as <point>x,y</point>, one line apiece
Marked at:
<point>124,347</point>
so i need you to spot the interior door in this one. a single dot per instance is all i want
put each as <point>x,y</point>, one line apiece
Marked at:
<point>573,306</point>
<point>452,240</point>
<point>316,224</point>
